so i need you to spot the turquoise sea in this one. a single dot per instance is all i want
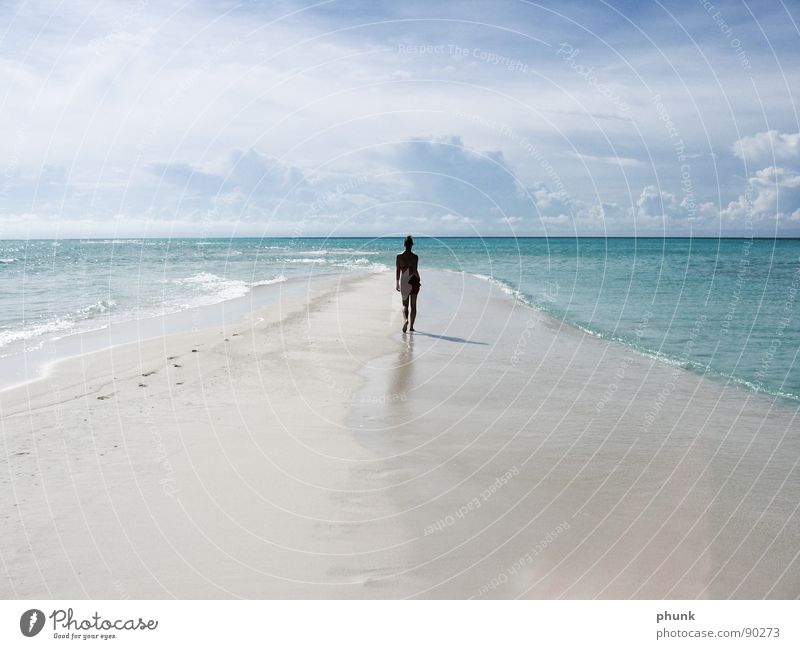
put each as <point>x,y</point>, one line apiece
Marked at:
<point>729,308</point>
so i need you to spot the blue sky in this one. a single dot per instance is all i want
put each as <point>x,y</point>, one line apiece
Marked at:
<point>380,118</point>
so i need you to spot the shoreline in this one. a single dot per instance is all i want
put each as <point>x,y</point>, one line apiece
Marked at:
<point>73,345</point>
<point>569,280</point>
<point>138,330</point>
<point>695,367</point>
<point>313,451</point>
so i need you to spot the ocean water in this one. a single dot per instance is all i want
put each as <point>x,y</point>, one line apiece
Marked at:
<point>729,308</point>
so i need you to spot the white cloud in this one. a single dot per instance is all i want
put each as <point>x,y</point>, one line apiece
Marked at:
<point>767,146</point>
<point>772,198</point>
<point>662,211</point>
<point>611,160</point>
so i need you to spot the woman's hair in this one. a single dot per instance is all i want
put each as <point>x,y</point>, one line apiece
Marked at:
<point>408,242</point>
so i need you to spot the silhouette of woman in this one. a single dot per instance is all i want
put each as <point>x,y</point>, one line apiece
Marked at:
<point>408,282</point>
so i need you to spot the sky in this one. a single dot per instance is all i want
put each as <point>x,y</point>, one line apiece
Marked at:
<point>372,118</point>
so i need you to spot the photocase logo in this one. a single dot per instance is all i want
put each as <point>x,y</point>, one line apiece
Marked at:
<point>31,622</point>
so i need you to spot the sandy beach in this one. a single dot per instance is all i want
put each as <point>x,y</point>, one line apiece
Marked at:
<point>309,450</point>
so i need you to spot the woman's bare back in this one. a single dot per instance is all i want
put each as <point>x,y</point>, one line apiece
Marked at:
<point>408,260</point>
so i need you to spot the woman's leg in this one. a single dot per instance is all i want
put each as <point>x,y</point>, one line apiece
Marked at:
<point>405,315</point>
<point>413,298</point>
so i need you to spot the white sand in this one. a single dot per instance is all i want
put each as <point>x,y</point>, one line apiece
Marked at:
<point>318,453</point>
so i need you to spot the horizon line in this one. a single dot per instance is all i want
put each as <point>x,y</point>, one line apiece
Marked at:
<point>417,237</point>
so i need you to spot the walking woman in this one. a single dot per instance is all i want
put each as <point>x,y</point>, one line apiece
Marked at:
<point>408,283</point>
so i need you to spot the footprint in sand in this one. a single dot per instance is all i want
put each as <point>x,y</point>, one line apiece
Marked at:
<point>149,373</point>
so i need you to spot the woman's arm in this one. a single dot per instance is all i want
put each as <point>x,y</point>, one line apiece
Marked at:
<point>397,273</point>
